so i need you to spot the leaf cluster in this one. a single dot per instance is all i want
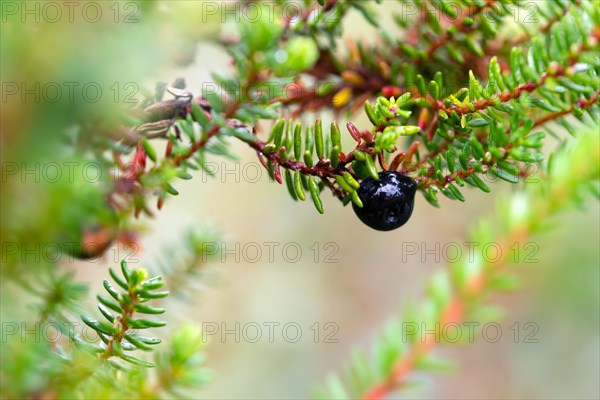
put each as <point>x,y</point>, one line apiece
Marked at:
<point>120,333</point>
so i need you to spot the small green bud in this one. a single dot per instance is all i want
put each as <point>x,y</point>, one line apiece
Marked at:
<point>299,54</point>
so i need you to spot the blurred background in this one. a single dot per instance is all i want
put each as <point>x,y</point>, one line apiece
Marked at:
<point>330,283</point>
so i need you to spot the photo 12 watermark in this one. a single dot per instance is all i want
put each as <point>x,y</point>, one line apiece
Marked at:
<point>453,12</point>
<point>469,331</point>
<point>53,12</point>
<point>48,332</point>
<point>270,252</point>
<point>69,251</point>
<point>453,252</point>
<point>51,172</point>
<point>270,332</point>
<point>71,92</point>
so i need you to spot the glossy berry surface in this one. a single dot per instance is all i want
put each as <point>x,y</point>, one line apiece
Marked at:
<point>387,202</point>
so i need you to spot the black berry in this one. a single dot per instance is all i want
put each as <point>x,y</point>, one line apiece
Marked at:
<point>388,202</point>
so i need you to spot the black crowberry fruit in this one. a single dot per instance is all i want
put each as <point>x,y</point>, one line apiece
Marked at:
<point>387,202</point>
